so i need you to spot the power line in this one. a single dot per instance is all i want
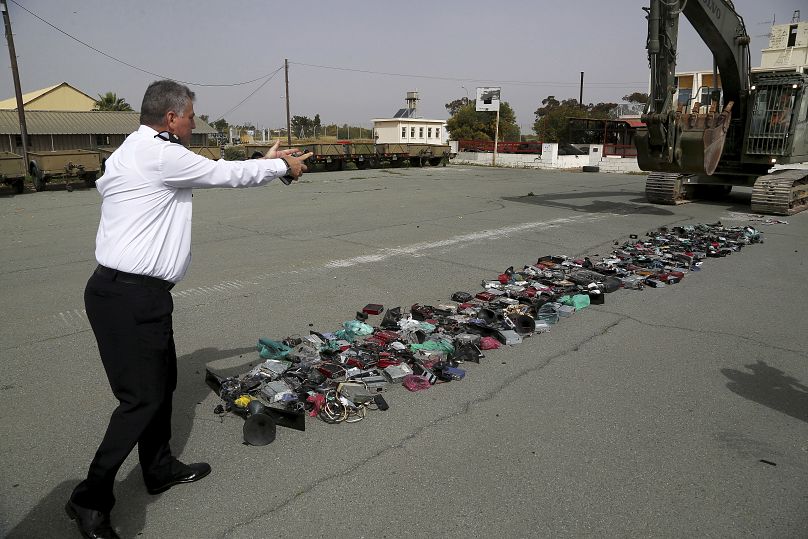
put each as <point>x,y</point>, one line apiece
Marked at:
<point>131,65</point>
<point>457,79</point>
<point>221,116</point>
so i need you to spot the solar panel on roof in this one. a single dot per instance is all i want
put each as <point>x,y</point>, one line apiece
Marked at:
<point>405,113</point>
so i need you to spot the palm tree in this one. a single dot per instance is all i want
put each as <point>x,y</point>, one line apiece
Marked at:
<point>111,101</point>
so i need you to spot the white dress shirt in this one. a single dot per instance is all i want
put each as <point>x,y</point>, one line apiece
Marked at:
<point>146,188</point>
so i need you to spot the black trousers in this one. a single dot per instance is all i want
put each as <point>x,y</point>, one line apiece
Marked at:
<point>133,327</point>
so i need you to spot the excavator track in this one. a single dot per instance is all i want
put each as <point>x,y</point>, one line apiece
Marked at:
<point>784,192</point>
<point>665,188</point>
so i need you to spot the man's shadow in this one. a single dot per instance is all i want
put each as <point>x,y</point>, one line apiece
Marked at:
<point>48,518</point>
<point>770,387</point>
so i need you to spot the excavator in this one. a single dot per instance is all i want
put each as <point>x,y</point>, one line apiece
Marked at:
<point>747,135</point>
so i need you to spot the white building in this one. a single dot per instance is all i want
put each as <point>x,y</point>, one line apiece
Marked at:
<point>409,130</point>
<point>788,47</point>
<point>405,127</point>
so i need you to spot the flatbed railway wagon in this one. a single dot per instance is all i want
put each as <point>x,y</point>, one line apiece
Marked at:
<point>336,155</point>
<point>330,156</point>
<point>428,154</point>
<point>211,152</point>
<point>12,171</point>
<point>63,164</point>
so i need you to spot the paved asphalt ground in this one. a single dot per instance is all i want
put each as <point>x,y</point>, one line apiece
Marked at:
<point>673,412</point>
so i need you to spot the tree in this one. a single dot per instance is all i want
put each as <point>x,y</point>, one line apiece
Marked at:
<point>601,110</point>
<point>302,125</point>
<point>552,118</point>
<point>508,129</point>
<point>456,105</point>
<point>220,125</point>
<point>551,102</point>
<point>351,132</point>
<point>636,97</point>
<point>204,117</point>
<point>468,123</point>
<point>111,101</point>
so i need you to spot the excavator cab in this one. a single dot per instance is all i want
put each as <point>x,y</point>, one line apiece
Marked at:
<point>777,120</point>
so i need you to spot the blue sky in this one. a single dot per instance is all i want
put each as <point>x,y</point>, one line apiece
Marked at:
<point>352,61</point>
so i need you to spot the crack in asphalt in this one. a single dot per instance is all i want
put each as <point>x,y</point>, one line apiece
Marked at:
<point>368,190</point>
<point>465,409</point>
<point>711,332</point>
<point>45,339</point>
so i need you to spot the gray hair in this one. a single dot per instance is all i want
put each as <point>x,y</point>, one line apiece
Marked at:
<point>161,97</point>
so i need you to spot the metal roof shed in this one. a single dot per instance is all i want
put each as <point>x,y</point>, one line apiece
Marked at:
<point>71,130</point>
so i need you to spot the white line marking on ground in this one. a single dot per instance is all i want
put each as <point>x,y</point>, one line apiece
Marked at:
<point>417,249</point>
<point>75,319</point>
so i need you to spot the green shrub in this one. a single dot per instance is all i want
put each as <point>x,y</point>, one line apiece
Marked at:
<point>234,153</point>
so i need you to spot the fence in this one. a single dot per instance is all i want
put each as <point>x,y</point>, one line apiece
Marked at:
<point>621,150</point>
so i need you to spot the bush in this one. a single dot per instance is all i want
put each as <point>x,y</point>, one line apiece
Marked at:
<point>234,153</point>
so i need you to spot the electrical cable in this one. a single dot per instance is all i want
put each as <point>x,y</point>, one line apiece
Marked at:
<point>455,79</point>
<point>270,76</point>
<point>356,415</point>
<point>333,411</point>
<point>132,65</point>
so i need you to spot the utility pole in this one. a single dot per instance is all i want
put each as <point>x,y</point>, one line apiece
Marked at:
<point>288,118</point>
<point>581,94</point>
<point>17,90</point>
<point>496,141</point>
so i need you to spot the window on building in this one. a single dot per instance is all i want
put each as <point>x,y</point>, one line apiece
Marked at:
<point>429,132</point>
<point>412,132</point>
<point>710,96</point>
<point>792,35</point>
<point>684,98</point>
<point>437,132</point>
<point>403,132</point>
<point>420,132</point>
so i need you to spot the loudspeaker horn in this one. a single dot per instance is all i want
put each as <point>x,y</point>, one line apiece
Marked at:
<point>259,429</point>
<point>524,324</point>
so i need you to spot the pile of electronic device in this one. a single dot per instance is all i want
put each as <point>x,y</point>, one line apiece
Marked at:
<point>340,376</point>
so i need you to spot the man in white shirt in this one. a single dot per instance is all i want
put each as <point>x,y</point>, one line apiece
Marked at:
<point>143,247</point>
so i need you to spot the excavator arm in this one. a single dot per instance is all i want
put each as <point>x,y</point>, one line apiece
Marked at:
<point>723,31</point>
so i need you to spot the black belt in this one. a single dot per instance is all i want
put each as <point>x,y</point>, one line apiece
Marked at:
<point>133,278</point>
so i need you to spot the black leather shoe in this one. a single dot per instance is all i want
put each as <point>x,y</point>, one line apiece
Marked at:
<point>92,524</point>
<point>191,473</point>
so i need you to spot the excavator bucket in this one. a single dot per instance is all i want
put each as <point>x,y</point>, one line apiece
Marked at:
<point>715,132</point>
<point>697,149</point>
